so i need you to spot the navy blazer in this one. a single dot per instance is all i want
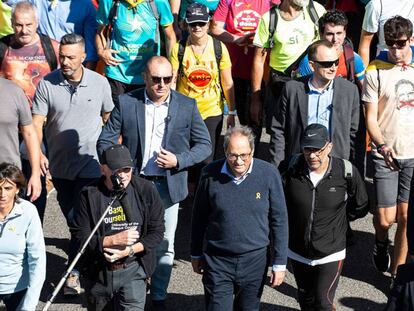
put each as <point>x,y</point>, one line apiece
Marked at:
<point>186,135</point>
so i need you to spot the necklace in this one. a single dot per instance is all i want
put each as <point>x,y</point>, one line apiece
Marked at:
<point>198,57</point>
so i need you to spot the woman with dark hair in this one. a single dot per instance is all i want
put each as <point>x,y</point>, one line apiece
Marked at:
<point>22,246</point>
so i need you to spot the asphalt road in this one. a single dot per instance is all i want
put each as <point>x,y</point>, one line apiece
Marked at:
<point>361,287</point>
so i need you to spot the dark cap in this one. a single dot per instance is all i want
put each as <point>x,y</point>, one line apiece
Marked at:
<point>197,12</point>
<point>315,136</point>
<point>116,157</point>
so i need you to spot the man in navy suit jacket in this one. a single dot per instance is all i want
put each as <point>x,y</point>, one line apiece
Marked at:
<point>166,135</point>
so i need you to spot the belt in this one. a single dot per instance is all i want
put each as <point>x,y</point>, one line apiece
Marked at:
<point>119,265</point>
<point>152,178</point>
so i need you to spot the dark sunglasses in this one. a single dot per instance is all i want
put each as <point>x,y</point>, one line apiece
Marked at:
<point>199,24</point>
<point>327,64</point>
<point>158,80</point>
<point>398,43</point>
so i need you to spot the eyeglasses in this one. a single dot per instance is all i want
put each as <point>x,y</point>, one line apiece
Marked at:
<point>158,80</point>
<point>328,63</point>
<point>315,151</point>
<point>234,156</point>
<point>399,44</point>
<point>199,24</point>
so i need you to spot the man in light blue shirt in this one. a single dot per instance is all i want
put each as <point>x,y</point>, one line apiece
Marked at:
<point>320,98</point>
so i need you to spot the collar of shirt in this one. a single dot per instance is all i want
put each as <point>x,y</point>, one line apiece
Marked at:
<point>17,210</point>
<point>149,101</point>
<point>239,180</point>
<point>83,82</point>
<point>313,90</point>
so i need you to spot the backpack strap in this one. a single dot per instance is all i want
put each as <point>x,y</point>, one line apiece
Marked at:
<point>272,25</point>
<point>4,45</point>
<point>349,62</point>
<point>293,161</point>
<point>348,170</point>
<point>218,52</point>
<point>49,51</point>
<point>181,51</point>
<point>312,12</point>
<point>154,9</point>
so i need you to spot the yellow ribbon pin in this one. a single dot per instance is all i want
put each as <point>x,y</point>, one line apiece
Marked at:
<point>258,196</point>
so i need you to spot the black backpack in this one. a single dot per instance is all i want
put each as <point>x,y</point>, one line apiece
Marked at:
<point>47,46</point>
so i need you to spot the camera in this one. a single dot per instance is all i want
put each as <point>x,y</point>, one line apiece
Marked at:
<point>117,183</point>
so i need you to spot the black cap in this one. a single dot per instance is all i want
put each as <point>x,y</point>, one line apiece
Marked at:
<point>116,157</point>
<point>197,12</point>
<point>315,136</point>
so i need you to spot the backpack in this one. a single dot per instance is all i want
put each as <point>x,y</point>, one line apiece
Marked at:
<point>47,46</point>
<point>217,52</point>
<point>347,168</point>
<point>349,60</point>
<point>113,16</point>
<point>273,18</point>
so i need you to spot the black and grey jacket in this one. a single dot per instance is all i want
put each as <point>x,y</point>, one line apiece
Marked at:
<point>318,215</point>
<point>91,207</point>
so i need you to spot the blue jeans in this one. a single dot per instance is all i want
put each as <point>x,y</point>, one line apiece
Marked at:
<point>165,250</point>
<point>124,289</point>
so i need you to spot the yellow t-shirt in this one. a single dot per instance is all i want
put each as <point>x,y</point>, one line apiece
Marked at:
<point>200,78</point>
<point>291,38</point>
<point>5,24</point>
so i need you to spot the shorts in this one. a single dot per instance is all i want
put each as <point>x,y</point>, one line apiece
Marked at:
<point>392,187</point>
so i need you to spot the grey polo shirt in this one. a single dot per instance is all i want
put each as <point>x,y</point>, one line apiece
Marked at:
<point>73,122</point>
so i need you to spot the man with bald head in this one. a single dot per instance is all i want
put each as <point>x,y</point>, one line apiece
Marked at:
<point>319,98</point>
<point>164,131</point>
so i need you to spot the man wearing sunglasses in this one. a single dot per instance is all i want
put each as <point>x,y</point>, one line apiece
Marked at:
<point>319,98</point>
<point>238,205</point>
<point>388,95</point>
<point>320,194</point>
<point>165,133</point>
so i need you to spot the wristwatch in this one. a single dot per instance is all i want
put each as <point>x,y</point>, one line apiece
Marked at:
<point>131,251</point>
<point>232,113</point>
<point>380,147</point>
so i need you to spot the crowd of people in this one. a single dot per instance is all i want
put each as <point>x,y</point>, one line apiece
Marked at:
<point>119,106</point>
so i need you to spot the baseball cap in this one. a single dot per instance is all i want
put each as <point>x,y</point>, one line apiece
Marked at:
<point>197,12</point>
<point>117,157</point>
<point>315,136</point>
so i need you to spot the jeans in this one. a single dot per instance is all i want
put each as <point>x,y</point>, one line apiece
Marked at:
<point>165,250</point>
<point>125,289</point>
<point>68,196</point>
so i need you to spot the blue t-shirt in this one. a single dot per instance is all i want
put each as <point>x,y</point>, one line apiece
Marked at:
<point>211,4</point>
<point>134,37</point>
<point>305,70</point>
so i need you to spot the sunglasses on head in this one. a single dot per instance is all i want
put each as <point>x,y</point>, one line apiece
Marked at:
<point>199,24</point>
<point>398,43</point>
<point>158,80</point>
<point>328,63</point>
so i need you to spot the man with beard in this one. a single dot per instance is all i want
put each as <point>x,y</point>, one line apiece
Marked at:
<point>74,101</point>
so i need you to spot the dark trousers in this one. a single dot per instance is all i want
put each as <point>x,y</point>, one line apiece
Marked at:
<point>242,93</point>
<point>119,88</point>
<point>214,126</point>
<point>40,203</point>
<point>124,289</point>
<point>13,300</point>
<point>68,196</point>
<point>317,284</point>
<point>242,276</point>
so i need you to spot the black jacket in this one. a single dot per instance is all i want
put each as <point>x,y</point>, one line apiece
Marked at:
<point>318,215</point>
<point>91,208</point>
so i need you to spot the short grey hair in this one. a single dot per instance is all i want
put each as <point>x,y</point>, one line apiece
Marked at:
<point>241,130</point>
<point>24,6</point>
<point>72,38</point>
